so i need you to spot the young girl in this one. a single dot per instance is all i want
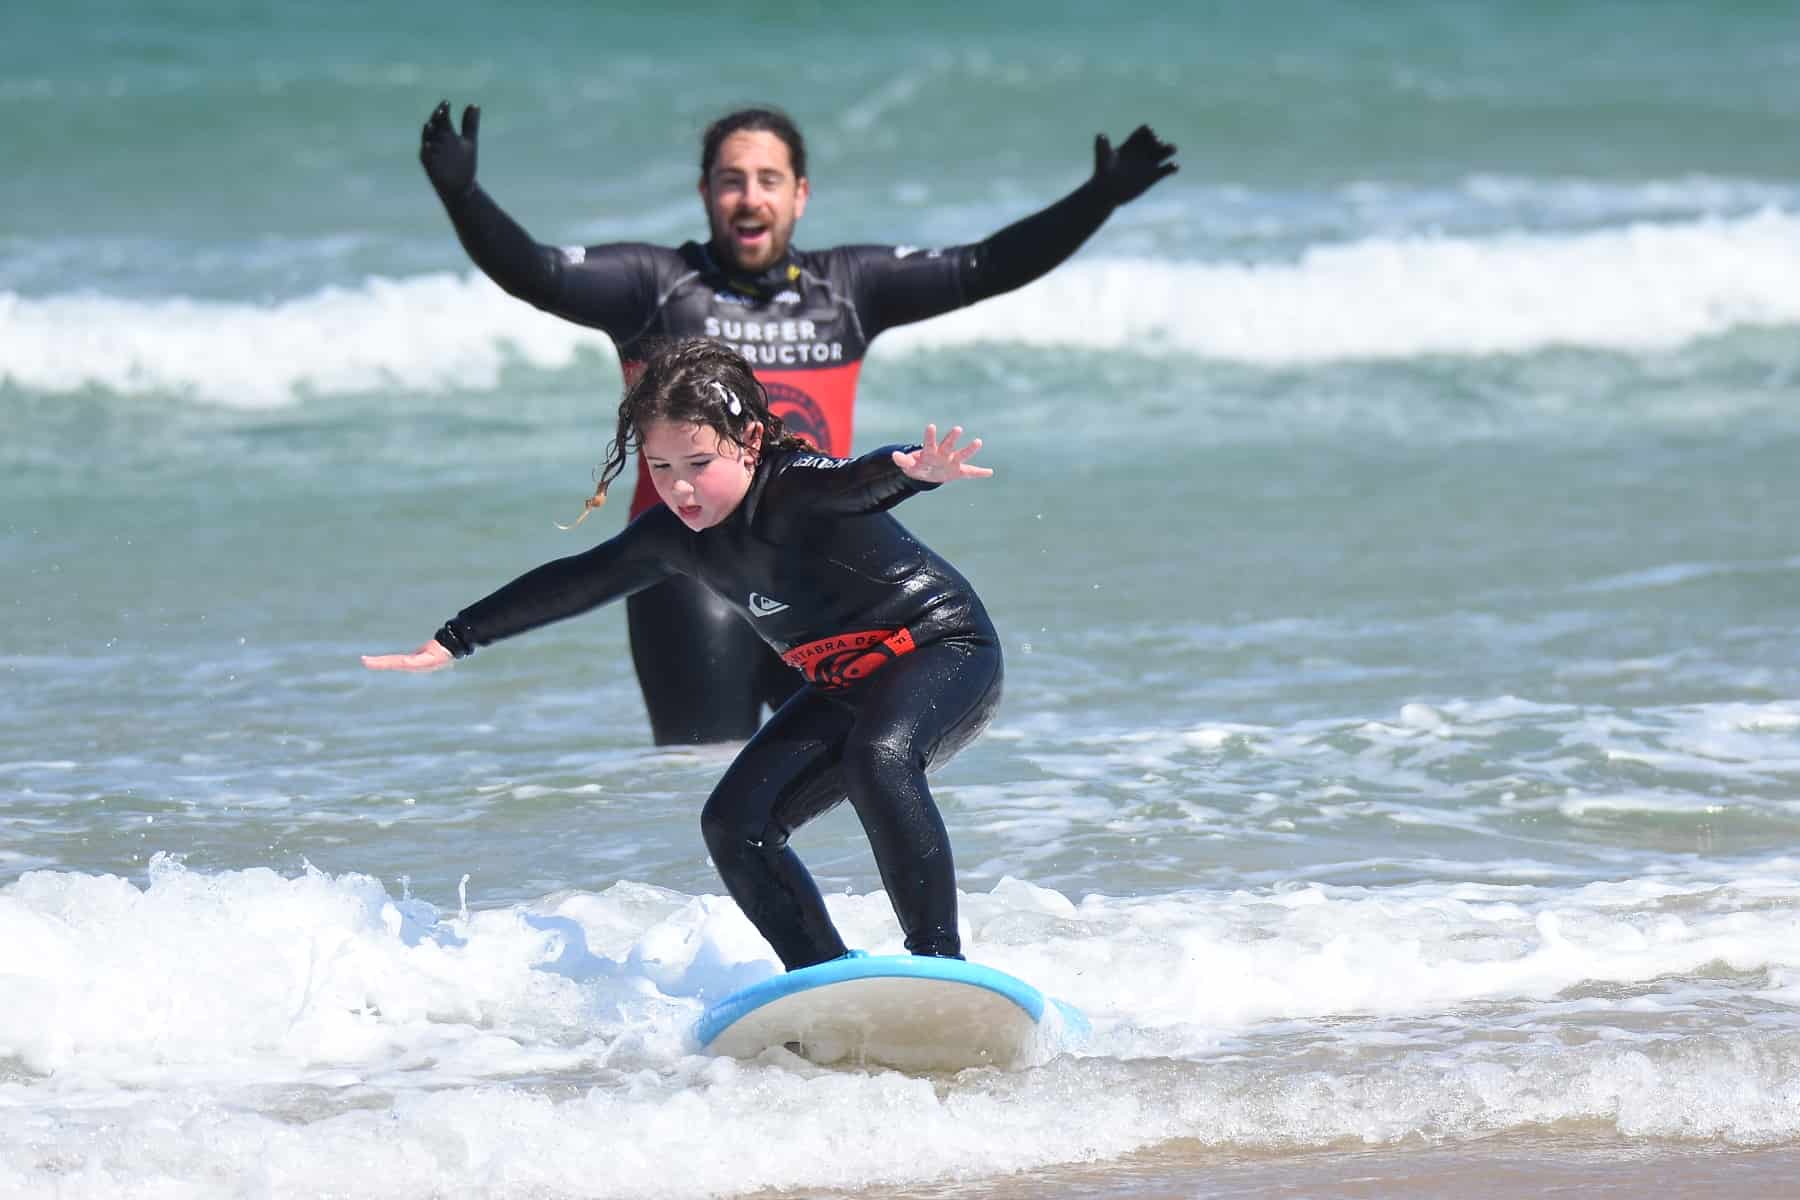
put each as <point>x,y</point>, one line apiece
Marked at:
<point>901,665</point>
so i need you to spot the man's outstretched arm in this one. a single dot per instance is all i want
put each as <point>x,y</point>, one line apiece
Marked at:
<point>900,286</point>
<point>1030,248</point>
<point>496,243</point>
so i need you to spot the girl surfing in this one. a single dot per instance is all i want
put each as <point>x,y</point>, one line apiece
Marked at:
<point>900,664</point>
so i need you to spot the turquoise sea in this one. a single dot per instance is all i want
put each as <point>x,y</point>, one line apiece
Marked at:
<point>1394,535</point>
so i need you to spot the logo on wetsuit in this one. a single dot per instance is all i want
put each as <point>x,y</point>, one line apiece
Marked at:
<point>765,606</point>
<point>800,414</point>
<point>788,342</point>
<point>840,661</point>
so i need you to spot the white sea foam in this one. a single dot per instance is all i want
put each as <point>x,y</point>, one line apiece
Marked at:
<point>314,1034</point>
<point>430,332</point>
<point>1641,287</point>
<point>1669,575</point>
<point>254,972</point>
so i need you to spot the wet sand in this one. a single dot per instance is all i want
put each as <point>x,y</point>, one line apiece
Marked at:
<point>1571,1164</point>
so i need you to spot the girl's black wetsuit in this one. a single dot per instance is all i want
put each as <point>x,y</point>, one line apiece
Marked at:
<point>899,668</point>
<point>804,325</point>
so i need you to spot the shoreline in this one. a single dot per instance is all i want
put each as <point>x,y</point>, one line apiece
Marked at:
<point>1494,1168</point>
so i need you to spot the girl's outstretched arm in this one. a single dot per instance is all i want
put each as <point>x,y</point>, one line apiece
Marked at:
<point>649,550</point>
<point>940,462</point>
<point>430,657</point>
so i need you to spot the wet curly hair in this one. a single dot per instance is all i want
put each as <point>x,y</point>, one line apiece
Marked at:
<point>691,381</point>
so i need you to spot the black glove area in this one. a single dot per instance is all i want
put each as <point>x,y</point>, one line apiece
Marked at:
<point>449,160</point>
<point>1128,172</point>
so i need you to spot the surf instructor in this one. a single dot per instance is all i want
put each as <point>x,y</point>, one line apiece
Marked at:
<point>802,319</point>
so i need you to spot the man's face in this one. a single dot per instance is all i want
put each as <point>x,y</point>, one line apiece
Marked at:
<point>752,199</point>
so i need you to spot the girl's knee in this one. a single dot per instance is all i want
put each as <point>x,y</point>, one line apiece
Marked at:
<point>875,760</point>
<point>730,834</point>
<point>721,827</point>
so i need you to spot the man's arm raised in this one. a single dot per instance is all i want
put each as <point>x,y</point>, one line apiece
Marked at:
<point>1030,248</point>
<point>903,286</point>
<point>496,243</point>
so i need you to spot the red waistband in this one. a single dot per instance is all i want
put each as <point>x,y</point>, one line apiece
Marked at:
<point>844,658</point>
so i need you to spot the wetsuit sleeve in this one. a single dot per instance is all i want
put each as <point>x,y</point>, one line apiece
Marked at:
<point>1029,248</point>
<point>814,485</point>
<point>899,286</point>
<point>609,287</point>
<point>644,553</point>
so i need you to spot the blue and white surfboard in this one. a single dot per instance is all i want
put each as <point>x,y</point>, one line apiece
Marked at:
<point>901,1010</point>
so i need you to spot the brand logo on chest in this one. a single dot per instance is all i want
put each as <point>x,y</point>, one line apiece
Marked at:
<point>765,606</point>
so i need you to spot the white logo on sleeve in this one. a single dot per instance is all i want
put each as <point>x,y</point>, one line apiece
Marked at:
<point>765,606</point>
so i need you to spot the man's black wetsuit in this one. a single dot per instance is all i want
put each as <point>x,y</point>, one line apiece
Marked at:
<point>899,667</point>
<point>804,325</point>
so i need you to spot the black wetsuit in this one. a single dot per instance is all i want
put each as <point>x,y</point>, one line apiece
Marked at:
<point>804,325</point>
<point>898,667</point>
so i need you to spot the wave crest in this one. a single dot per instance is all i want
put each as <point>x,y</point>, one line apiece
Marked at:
<point>1632,289</point>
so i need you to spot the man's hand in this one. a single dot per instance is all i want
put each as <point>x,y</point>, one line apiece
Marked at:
<point>1130,171</point>
<point>448,159</point>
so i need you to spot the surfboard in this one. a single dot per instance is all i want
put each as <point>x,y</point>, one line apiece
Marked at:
<point>907,1011</point>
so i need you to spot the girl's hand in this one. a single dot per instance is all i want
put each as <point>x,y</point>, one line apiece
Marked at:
<point>940,462</point>
<point>430,657</point>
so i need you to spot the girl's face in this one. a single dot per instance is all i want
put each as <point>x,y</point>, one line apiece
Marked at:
<point>699,476</point>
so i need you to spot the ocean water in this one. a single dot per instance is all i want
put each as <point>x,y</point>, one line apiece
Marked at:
<point>1393,535</point>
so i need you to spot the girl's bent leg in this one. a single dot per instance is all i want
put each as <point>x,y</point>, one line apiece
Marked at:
<point>916,713</point>
<point>785,776</point>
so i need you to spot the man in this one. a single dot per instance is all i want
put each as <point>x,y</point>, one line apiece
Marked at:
<point>803,319</point>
